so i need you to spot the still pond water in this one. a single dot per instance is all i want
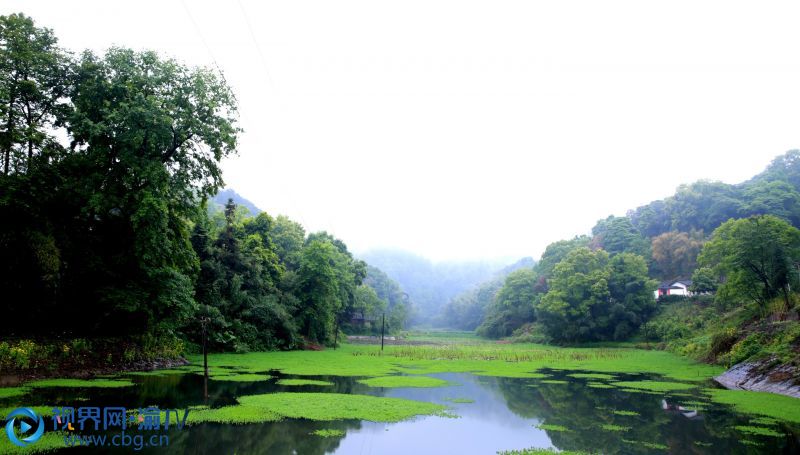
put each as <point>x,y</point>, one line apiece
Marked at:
<point>560,412</point>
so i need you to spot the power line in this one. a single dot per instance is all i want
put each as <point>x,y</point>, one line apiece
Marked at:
<point>205,44</point>
<point>255,43</point>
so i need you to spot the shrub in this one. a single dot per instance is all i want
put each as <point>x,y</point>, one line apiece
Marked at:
<point>744,349</point>
<point>722,342</point>
<point>667,299</point>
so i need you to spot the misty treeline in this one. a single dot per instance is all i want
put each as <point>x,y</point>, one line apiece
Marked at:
<point>740,240</point>
<point>106,164</point>
<point>431,284</point>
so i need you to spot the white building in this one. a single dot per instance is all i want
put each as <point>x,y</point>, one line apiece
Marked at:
<point>674,287</point>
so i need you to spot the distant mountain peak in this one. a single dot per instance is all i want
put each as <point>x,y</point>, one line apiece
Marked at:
<point>221,198</point>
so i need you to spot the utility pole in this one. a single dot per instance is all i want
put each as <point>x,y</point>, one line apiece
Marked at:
<point>203,323</point>
<point>336,334</point>
<point>383,328</point>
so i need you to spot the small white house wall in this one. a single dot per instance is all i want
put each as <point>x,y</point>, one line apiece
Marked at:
<point>681,291</point>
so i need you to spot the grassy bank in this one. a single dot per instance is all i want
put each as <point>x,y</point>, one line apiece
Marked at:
<point>709,332</point>
<point>483,359</point>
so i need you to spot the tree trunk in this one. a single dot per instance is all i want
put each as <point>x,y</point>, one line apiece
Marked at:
<point>9,133</point>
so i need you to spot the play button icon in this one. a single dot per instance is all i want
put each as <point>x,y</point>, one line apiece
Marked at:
<point>17,415</point>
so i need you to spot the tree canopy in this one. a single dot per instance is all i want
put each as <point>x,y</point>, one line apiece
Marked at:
<point>594,297</point>
<point>757,256</point>
<point>108,164</point>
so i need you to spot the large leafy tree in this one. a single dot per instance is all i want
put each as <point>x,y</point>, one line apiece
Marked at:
<point>328,280</point>
<point>288,237</point>
<point>758,257</point>
<point>106,218</point>
<point>595,297</point>
<point>237,288</point>
<point>557,251</point>
<point>617,234</point>
<point>675,253</point>
<point>389,291</point>
<point>33,87</point>
<point>147,137</point>
<point>513,305</point>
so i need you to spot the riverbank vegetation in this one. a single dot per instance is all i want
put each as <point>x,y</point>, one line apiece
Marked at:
<point>736,248</point>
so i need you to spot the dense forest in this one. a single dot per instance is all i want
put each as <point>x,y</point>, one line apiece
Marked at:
<point>738,246</point>
<point>108,229</point>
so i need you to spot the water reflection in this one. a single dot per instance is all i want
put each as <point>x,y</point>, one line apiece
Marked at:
<point>505,413</point>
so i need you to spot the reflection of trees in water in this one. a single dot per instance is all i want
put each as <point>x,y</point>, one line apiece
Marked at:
<point>585,410</point>
<point>285,437</point>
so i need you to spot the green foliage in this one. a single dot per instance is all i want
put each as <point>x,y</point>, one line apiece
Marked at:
<point>552,427</point>
<point>326,433</point>
<point>10,392</point>
<point>102,383</point>
<point>655,386</point>
<point>239,286</point>
<point>469,309</point>
<point>51,441</point>
<point>557,251</point>
<point>618,235</point>
<point>327,284</point>
<point>513,304</point>
<point>704,280</point>
<point>675,253</point>
<point>392,300</point>
<point>760,431</point>
<point>36,77</point>
<point>299,382</point>
<point>108,161</point>
<point>483,359</point>
<point>241,377</point>
<point>104,222</point>
<point>404,381</point>
<point>336,406</point>
<point>705,205</point>
<point>288,236</point>
<point>594,297</point>
<point>538,451</point>
<point>612,427</point>
<point>772,405</point>
<point>46,356</point>
<point>757,257</point>
<point>236,414</point>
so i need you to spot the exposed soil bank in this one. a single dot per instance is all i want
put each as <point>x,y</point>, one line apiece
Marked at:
<point>762,377</point>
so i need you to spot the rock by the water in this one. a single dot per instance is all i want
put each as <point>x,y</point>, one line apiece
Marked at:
<point>759,377</point>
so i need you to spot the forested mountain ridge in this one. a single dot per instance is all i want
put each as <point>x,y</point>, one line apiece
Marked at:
<point>738,247</point>
<point>704,205</point>
<point>466,310</point>
<point>217,203</point>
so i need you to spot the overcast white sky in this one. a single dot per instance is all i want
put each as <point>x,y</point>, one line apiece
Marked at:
<point>463,129</point>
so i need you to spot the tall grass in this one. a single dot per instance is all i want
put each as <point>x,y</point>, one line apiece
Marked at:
<point>495,352</point>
